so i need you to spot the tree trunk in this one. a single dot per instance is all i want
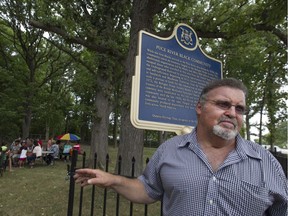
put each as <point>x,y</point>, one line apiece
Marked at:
<point>26,123</point>
<point>261,125</point>
<point>263,102</point>
<point>248,137</point>
<point>28,104</point>
<point>132,139</point>
<point>47,129</point>
<point>99,135</point>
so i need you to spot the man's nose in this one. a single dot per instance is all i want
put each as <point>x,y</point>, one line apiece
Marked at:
<point>231,111</point>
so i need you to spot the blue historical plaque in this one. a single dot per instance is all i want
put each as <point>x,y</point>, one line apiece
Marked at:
<point>169,76</point>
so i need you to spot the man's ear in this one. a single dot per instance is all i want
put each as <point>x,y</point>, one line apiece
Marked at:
<point>198,108</point>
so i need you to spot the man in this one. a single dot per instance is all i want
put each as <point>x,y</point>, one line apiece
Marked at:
<point>15,151</point>
<point>37,154</point>
<point>55,149</point>
<point>49,143</point>
<point>210,171</point>
<point>55,153</point>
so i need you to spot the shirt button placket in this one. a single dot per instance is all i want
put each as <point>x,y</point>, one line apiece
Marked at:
<point>211,196</point>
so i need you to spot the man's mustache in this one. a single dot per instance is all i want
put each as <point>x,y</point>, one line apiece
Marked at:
<point>231,120</point>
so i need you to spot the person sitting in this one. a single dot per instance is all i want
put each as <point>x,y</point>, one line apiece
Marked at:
<point>15,148</point>
<point>66,151</point>
<point>23,152</point>
<point>55,153</point>
<point>49,143</point>
<point>30,156</point>
<point>55,149</point>
<point>37,154</point>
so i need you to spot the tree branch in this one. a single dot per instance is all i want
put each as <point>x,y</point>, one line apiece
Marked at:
<point>209,34</point>
<point>282,36</point>
<point>77,40</point>
<point>73,56</point>
<point>199,32</point>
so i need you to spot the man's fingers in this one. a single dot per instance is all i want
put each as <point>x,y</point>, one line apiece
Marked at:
<point>91,176</point>
<point>81,179</point>
<point>84,183</point>
<point>83,175</point>
<point>85,172</point>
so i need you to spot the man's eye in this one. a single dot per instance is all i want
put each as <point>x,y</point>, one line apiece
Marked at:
<point>224,104</point>
<point>240,109</point>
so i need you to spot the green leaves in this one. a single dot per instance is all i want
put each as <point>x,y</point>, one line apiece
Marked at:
<point>88,43</point>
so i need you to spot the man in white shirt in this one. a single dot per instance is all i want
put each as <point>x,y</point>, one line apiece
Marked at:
<point>37,153</point>
<point>37,150</point>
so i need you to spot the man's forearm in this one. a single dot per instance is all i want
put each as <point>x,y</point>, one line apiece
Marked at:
<point>131,189</point>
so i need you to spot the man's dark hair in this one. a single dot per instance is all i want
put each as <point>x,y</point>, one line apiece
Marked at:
<point>35,143</point>
<point>227,82</point>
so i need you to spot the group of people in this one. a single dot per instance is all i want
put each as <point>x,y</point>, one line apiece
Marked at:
<point>209,171</point>
<point>27,151</point>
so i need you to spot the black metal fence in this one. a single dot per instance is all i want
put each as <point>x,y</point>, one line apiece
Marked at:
<point>282,158</point>
<point>71,171</point>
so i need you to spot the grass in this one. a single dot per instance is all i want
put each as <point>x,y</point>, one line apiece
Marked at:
<point>44,190</point>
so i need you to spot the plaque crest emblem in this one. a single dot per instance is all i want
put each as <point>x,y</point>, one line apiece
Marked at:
<point>186,36</point>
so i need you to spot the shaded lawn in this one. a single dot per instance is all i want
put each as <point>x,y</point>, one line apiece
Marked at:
<point>44,190</point>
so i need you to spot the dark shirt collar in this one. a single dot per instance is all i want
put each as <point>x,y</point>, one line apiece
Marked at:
<point>243,149</point>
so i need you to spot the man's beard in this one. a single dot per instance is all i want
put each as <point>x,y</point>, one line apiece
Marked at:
<point>225,133</point>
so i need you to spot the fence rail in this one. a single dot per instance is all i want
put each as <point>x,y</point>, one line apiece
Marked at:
<point>71,171</point>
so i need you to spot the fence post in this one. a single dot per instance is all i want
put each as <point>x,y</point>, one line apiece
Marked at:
<point>132,176</point>
<point>93,187</point>
<point>118,196</point>
<point>72,182</point>
<point>81,190</point>
<point>105,190</point>
<point>146,206</point>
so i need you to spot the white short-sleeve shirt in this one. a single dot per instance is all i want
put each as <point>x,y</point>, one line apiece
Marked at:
<point>38,151</point>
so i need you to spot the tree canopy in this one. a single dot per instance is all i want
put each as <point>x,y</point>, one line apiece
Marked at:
<point>67,66</point>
